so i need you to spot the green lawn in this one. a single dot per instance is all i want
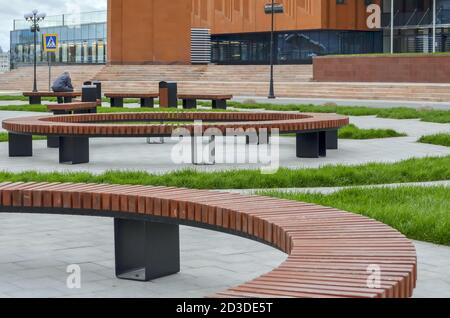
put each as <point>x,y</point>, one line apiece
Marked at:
<point>353,132</point>
<point>420,213</point>
<point>4,137</point>
<point>438,139</point>
<point>427,115</point>
<point>413,170</point>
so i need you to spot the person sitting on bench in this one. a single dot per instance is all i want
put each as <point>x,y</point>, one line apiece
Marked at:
<point>62,84</point>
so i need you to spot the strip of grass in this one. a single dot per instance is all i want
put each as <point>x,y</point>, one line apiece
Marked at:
<point>4,137</point>
<point>413,170</point>
<point>353,132</point>
<point>420,213</point>
<point>43,109</point>
<point>427,115</point>
<point>438,139</point>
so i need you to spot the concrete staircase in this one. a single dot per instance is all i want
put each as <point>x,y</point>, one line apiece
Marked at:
<point>291,81</point>
<point>21,79</point>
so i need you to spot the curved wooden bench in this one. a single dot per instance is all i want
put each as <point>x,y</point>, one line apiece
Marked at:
<point>331,252</point>
<point>147,99</point>
<point>219,101</point>
<point>36,97</point>
<point>73,108</point>
<point>315,132</point>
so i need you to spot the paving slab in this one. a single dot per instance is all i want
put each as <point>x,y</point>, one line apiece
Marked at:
<point>204,272</point>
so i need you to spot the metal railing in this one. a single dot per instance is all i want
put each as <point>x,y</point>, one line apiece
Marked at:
<point>416,18</point>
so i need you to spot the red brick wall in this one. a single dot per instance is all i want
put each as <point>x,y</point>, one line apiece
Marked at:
<point>418,69</point>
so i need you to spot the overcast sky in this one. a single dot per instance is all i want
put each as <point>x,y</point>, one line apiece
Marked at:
<point>15,9</point>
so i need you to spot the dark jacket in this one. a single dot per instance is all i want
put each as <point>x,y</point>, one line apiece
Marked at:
<point>63,84</point>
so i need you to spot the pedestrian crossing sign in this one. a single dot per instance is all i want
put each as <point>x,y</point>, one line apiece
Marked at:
<point>50,42</point>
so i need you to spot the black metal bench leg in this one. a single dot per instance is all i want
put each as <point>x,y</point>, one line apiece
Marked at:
<point>311,145</point>
<point>53,142</point>
<point>68,100</point>
<point>332,139</point>
<point>20,145</point>
<point>219,104</point>
<point>146,250</point>
<point>147,102</point>
<point>323,144</point>
<point>116,102</point>
<point>189,103</point>
<point>308,145</point>
<point>35,100</point>
<point>73,150</point>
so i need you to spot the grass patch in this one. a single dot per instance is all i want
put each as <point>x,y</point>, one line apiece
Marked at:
<point>420,213</point>
<point>413,170</point>
<point>427,115</point>
<point>353,132</point>
<point>438,139</point>
<point>4,137</point>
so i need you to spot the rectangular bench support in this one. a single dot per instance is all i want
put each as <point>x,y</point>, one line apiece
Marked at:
<point>20,145</point>
<point>332,139</point>
<point>311,145</point>
<point>73,150</point>
<point>219,104</point>
<point>147,102</point>
<point>116,102</point>
<point>146,250</point>
<point>52,141</point>
<point>35,100</point>
<point>189,103</point>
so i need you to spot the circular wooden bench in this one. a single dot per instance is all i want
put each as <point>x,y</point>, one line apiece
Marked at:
<point>332,253</point>
<point>315,132</point>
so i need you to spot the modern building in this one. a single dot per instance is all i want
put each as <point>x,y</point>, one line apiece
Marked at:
<point>161,31</point>
<point>82,39</point>
<point>4,62</point>
<point>413,26</point>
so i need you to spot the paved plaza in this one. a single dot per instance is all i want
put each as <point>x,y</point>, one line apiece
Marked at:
<point>36,249</point>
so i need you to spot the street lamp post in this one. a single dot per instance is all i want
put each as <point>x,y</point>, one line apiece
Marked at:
<point>34,18</point>
<point>272,9</point>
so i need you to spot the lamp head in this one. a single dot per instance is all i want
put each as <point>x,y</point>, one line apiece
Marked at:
<point>41,16</point>
<point>28,16</point>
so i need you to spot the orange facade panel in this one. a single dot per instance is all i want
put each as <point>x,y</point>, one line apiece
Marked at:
<point>241,16</point>
<point>158,31</point>
<point>149,31</point>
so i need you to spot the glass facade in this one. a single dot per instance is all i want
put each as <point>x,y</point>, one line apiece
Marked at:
<point>296,47</point>
<point>413,26</point>
<point>82,39</point>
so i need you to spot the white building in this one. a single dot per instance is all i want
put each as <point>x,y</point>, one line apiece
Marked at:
<point>4,62</point>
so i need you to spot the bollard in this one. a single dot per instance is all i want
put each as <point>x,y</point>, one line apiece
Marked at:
<point>89,93</point>
<point>168,92</point>
<point>98,85</point>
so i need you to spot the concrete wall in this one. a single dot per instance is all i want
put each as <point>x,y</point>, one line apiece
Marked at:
<point>149,31</point>
<point>416,69</point>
